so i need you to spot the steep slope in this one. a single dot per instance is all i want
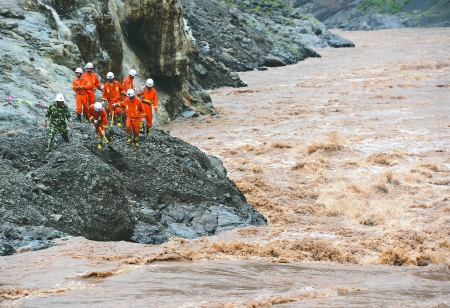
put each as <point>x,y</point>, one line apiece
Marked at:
<point>242,36</point>
<point>379,14</point>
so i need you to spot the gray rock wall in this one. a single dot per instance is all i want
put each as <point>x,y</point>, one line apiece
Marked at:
<point>373,15</point>
<point>242,35</point>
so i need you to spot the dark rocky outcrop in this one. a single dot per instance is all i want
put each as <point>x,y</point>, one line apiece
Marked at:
<point>165,188</point>
<point>241,35</point>
<point>373,15</point>
<point>15,238</point>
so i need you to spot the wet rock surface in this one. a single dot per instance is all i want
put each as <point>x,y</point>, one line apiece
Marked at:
<point>373,15</point>
<point>165,188</point>
<point>14,238</point>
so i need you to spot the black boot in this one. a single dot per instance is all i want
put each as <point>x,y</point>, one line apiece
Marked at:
<point>65,137</point>
<point>79,117</point>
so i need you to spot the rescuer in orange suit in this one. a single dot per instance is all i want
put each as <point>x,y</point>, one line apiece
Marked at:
<point>92,82</point>
<point>135,111</point>
<point>112,92</point>
<point>128,83</point>
<point>79,86</point>
<point>98,116</point>
<point>149,99</point>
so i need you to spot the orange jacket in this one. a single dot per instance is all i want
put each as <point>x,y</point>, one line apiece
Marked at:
<point>112,93</point>
<point>79,82</point>
<point>91,81</point>
<point>101,117</point>
<point>150,97</point>
<point>134,108</point>
<point>127,84</point>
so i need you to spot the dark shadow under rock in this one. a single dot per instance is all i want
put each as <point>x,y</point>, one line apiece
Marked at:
<point>164,188</point>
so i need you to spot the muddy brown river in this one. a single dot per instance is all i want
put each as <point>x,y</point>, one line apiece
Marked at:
<point>348,156</point>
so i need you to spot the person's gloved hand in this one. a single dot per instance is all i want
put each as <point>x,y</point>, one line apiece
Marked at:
<point>95,121</point>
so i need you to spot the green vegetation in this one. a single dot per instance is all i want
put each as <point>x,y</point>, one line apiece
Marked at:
<point>256,9</point>
<point>386,6</point>
<point>431,9</point>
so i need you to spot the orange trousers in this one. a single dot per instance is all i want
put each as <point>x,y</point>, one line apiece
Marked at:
<point>90,97</point>
<point>133,123</point>
<point>118,110</point>
<point>148,114</point>
<point>99,128</point>
<point>81,103</point>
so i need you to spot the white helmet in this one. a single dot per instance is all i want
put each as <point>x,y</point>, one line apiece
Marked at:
<point>132,73</point>
<point>98,106</point>
<point>149,82</point>
<point>89,65</point>
<point>131,93</point>
<point>59,98</point>
<point>78,70</point>
<point>110,75</point>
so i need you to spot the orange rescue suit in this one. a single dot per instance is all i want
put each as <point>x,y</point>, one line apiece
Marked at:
<point>92,82</point>
<point>127,84</point>
<point>149,98</point>
<point>101,117</point>
<point>81,96</point>
<point>112,93</point>
<point>135,111</point>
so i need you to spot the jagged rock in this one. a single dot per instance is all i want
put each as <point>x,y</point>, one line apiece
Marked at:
<point>371,15</point>
<point>6,249</point>
<point>165,188</point>
<point>15,238</point>
<point>339,42</point>
<point>240,33</point>
<point>272,61</point>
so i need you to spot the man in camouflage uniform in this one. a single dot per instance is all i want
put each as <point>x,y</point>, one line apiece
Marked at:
<point>57,114</point>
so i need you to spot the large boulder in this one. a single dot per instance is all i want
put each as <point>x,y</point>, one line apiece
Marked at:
<point>165,188</point>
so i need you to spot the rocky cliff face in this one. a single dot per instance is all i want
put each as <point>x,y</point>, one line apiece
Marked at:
<point>46,41</point>
<point>372,15</point>
<point>185,46</point>
<point>240,35</point>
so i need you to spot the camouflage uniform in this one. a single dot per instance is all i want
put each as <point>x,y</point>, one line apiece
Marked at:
<point>57,116</point>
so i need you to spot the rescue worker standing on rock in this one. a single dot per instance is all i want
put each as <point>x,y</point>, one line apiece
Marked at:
<point>112,92</point>
<point>128,82</point>
<point>98,116</point>
<point>135,111</point>
<point>92,82</point>
<point>149,99</point>
<point>57,114</point>
<point>79,86</point>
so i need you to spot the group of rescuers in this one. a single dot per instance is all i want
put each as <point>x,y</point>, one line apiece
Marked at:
<point>123,100</point>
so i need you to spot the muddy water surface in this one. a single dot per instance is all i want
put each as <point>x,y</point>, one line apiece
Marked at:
<point>348,156</point>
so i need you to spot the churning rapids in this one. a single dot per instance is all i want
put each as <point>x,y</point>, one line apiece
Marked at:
<point>346,155</point>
